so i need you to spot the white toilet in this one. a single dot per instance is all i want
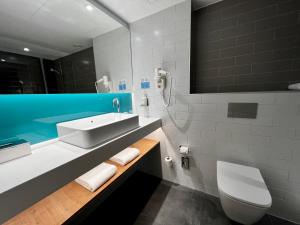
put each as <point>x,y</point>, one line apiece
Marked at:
<point>244,195</point>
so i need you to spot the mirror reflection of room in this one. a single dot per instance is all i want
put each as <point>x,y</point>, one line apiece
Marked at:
<point>47,49</point>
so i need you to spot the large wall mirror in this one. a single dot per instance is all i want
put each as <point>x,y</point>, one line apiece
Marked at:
<point>62,46</point>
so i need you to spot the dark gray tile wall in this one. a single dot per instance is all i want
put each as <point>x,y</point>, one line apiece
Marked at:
<point>245,45</point>
<point>20,74</point>
<point>79,73</point>
<point>242,110</point>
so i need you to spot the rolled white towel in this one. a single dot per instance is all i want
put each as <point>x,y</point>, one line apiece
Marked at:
<point>96,177</point>
<point>125,156</point>
<point>295,86</point>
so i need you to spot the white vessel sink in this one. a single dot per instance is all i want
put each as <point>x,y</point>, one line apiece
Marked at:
<point>91,131</point>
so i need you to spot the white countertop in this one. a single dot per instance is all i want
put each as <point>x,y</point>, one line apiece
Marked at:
<point>47,156</point>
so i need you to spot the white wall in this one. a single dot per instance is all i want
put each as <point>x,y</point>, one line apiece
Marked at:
<point>271,142</point>
<point>112,57</point>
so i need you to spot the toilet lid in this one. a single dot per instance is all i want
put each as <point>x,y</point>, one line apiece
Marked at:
<point>243,183</point>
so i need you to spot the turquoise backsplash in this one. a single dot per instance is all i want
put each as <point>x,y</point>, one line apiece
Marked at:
<point>34,117</point>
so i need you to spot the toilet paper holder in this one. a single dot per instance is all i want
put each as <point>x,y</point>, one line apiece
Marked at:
<point>184,150</point>
<point>185,161</point>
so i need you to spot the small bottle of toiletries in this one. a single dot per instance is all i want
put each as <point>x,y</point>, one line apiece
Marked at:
<point>142,83</point>
<point>120,86</point>
<point>124,85</point>
<point>147,83</point>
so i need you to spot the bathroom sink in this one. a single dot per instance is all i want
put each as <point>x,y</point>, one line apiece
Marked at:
<point>91,131</point>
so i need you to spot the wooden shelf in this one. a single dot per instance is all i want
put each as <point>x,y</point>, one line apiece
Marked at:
<point>61,205</point>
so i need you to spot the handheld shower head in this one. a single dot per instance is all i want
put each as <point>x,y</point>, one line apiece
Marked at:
<point>54,71</point>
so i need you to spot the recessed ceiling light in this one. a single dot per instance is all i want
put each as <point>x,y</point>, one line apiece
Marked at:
<point>89,7</point>
<point>26,50</point>
<point>77,45</point>
<point>3,60</point>
<point>156,33</point>
<point>151,1</point>
<point>138,39</point>
<point>121,11</point>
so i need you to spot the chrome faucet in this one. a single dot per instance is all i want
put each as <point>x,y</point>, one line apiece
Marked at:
<point>116,103</point>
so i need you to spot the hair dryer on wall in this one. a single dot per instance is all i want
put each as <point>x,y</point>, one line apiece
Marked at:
<point>161,78</point>
<point>107,85</point>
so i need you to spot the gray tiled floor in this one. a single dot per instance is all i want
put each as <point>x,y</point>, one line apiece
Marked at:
<point>146,200</point>
<point>172,204</point>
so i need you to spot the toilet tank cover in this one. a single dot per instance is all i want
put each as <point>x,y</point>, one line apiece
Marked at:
<point>243,183</point>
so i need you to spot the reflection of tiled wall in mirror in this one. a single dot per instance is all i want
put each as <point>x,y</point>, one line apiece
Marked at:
<point>78,73</point>
<point>74,73</point>
<point>20,74</point>
<point>113,57</point>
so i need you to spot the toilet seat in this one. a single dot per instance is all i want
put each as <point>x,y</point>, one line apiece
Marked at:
<point>243,183</point>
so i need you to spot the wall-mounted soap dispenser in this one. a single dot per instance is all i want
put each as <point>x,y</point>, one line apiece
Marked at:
<point>145,105</point>
<point>145,84</point>
<point>144,100</point>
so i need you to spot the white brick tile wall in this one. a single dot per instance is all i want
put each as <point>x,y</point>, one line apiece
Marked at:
<point>203,108</point>
<point>187,98</point>
<point>271,142</point>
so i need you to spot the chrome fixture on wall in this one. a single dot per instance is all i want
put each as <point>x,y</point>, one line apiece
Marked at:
<point>116,103</point>
<point>161,78</point>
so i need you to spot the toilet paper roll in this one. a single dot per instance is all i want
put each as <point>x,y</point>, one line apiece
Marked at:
<point>168,161</point>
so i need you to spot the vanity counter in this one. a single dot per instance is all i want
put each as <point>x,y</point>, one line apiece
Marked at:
<point>53,164</point>
<point>60,206</point>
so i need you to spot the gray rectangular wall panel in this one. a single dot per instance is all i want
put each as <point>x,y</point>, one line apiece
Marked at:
<point>242,110</point>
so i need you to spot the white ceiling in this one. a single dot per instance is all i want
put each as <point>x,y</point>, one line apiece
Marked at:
<point>197,4</point>
<point>133,10</point>
<point>50,28</point>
